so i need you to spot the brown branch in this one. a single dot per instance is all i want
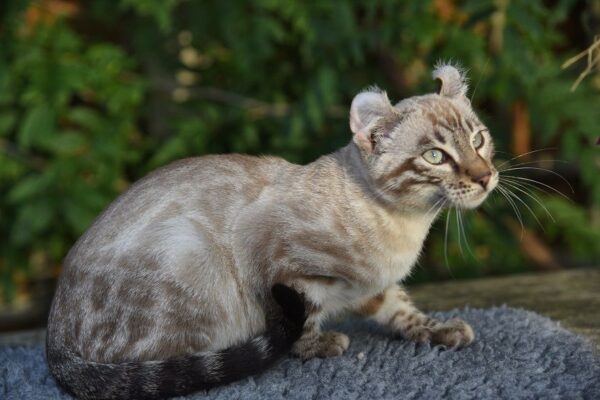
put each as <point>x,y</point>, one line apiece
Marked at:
<point>534,248</point>
<point>593,59</point>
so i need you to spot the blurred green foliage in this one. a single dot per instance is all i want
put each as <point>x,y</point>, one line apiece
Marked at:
<point>95,94</point>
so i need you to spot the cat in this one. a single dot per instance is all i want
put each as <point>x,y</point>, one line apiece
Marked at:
<point>209,268</point>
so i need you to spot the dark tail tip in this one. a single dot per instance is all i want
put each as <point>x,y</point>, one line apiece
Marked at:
<point>292,306</point>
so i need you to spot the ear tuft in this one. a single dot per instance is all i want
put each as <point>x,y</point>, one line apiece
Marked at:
<point>369,108</point>
<point>454,80</point>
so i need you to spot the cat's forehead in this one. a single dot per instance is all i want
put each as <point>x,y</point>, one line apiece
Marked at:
<point>448,115</point>
<point>435,120</point>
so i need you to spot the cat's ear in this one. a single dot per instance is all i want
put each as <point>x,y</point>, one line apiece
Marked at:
<point>454,82</point>
<point>370,113</point>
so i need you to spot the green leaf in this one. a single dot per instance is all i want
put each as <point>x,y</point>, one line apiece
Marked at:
<point>29,187</point>
<point>86,118</point>
<point>32,218</point>
<point>37,126</point>
<point>66,143</point>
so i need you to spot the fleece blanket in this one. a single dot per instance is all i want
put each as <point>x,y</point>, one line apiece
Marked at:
<point>517,354</point>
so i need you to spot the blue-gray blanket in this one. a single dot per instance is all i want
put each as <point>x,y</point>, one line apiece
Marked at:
<point>517,354</point>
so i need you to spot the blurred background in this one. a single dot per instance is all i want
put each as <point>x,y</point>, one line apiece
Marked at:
<point>94,94</point>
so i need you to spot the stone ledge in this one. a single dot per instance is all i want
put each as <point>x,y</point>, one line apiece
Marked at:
<point>571,297</point>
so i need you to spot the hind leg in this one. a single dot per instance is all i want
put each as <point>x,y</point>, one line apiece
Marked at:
<point>315,343</point>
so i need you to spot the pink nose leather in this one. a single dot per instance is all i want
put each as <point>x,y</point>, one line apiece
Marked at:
<point>483,180</point>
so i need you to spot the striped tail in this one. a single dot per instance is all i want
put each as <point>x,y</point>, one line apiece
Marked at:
<point>184,374</point>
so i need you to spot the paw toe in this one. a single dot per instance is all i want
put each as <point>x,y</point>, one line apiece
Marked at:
<point>333,344</point>
<point>453,333</point>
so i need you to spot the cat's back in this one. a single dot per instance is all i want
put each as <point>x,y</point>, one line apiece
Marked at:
<point>200,193</point>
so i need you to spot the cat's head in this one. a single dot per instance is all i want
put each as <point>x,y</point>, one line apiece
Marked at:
<point>425,148</point>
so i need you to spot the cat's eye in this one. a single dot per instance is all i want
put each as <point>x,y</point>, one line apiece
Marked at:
<point>434,156</point>
<point>477,140</point>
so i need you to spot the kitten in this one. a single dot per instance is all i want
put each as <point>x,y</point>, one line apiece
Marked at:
<point>169,290</point>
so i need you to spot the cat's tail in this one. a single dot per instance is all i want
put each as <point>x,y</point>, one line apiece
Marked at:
<point>184,374</point>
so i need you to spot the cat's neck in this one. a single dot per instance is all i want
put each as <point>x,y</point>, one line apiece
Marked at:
<point>356,172</point>
<point>355,169</point>
<point>333,198</point>
<point>340,187</point>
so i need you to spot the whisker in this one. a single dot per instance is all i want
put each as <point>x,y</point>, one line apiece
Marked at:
<point>462,225</point>
<point>434,206</point>
<point>525,154</point>
<point>508,177</point>
<point>521,189</point>
<point>505,192</point>
<point>441,206</point>
<point>492,199</point>
<point>527,206</point>
<point>542,169</point>
<point>496,197</point>
<point>446,240</point>
<point>545,160</point>
<point>458,232</point>
<point>525,186</point>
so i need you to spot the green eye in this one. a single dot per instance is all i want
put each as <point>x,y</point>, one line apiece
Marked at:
<point>434,156</point>
<point>477,140</point>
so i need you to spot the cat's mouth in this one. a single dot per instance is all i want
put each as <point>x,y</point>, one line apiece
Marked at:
<point>473,196</point>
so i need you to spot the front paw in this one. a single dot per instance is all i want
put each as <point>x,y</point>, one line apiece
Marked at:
<point>452,333</point>
<point>326,344</point>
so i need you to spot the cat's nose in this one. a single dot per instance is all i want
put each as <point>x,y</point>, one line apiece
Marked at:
<point>483,179</point>
<point>479,172</point>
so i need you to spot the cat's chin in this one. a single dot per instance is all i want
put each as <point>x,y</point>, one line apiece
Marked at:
<point>469,204</point>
